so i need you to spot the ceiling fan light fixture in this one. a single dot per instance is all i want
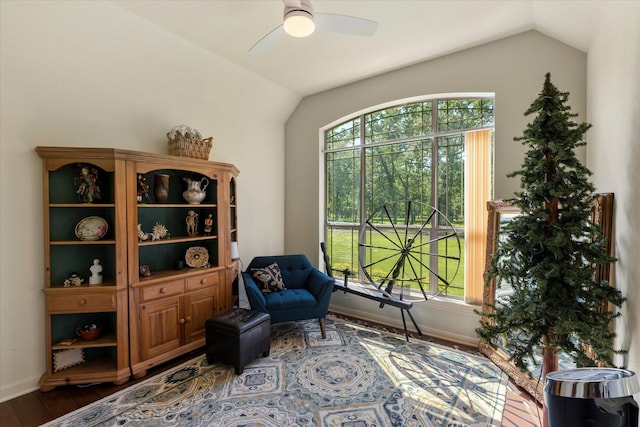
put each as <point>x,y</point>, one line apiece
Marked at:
<point>299,20</point>
<point>299,23</point>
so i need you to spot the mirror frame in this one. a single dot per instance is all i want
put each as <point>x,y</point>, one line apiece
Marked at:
<point>602,215</point>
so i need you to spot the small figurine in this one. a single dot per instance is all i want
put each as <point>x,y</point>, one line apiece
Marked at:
<point>192,223</point>
<point>73,280</point>
<point>208,224</point>
<point>87,183</point>
<point>143,189</point>
<point>96,273</point>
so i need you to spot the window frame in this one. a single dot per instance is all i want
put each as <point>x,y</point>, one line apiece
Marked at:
<point>359,144</point>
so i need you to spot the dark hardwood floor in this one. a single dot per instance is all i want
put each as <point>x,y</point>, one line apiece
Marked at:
<point>36,408</point>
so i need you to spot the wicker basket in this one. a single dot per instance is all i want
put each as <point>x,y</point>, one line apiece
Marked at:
<point>186,146</point>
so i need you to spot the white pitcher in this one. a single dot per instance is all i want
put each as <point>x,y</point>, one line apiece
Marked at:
<point>194,194</point>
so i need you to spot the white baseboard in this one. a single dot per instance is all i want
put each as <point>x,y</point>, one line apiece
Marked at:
<point>17,389</point>
<point>426,330</point>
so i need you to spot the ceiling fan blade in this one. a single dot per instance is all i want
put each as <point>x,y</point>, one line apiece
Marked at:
<point>345,24</point>
<point>267,41</point>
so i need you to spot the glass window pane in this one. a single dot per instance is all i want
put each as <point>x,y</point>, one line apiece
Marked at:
<point>342,248</point>
<point>343,186</point>
<point>451,178</point>
<point>401,122</point>
<point>344,135</point>
<point>464,114</point>
<point>398,172</point>
<point>449,267</point>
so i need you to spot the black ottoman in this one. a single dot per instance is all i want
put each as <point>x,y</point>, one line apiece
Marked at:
<point>237,337</point>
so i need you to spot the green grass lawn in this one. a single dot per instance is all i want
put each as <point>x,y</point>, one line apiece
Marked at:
<point>343,253</point>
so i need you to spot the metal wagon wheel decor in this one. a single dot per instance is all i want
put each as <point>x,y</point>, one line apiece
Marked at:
<point>404,247</point>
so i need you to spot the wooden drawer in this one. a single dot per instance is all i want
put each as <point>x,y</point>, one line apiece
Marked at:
<point>161,290</point>
<point>75,303</point>
<point>204,281</point>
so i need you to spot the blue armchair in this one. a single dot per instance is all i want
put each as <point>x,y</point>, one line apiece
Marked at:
<point>307,295</point>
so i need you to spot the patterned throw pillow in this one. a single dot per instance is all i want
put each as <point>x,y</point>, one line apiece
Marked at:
<point>269,277</point>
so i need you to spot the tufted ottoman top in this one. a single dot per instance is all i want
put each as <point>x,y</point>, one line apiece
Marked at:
<point>239,320</point>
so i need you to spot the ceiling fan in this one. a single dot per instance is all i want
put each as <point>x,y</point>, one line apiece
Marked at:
<point>299,20</point>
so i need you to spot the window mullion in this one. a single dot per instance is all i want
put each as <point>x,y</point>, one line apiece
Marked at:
<point>433,262</point>
<point>363,185</point>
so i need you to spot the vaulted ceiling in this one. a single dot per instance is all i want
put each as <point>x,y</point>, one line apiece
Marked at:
<point>409,31</point>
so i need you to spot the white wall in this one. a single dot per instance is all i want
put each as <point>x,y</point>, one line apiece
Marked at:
<point>514,68</point>
<point>613,152</point>
<point>92,74</point>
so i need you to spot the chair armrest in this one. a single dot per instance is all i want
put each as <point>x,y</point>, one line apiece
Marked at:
<point>254,294</point>
<point>319,284</point>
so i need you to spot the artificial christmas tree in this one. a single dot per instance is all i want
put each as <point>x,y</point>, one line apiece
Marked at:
<point>549,253</point>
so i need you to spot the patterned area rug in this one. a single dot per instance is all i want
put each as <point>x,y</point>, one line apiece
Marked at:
<point>357,377</point>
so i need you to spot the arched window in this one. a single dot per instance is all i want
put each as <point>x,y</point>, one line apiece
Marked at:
<point>433,152</point>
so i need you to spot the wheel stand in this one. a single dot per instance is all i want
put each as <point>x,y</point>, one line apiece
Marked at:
<point>370,293</point>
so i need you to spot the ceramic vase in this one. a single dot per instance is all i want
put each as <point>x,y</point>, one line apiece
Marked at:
<point>161,187</point>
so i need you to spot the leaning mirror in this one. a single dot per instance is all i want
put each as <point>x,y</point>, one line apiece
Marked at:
<point>500,213</point>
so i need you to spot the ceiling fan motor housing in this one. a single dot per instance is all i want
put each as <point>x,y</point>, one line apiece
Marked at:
<point>303,6</point>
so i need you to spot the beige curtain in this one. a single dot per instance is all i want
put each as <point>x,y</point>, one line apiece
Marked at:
<point>477,192</point>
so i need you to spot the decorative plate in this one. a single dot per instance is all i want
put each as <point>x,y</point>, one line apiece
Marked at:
<point>197,256</point>
<point>91,228</point>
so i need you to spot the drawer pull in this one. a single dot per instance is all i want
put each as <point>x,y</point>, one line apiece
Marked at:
<point>163,290</point>
<point>203,281</point>
<point>82,301</point>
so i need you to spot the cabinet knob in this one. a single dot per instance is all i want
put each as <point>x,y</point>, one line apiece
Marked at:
<point>182,321</point>
<point>82,301</point>
<point>163,290</point>
<point>203,281</point>
<point>188,319</point>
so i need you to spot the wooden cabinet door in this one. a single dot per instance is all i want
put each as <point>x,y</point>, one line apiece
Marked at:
<point>200,306</point>
<point>160,323</point>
